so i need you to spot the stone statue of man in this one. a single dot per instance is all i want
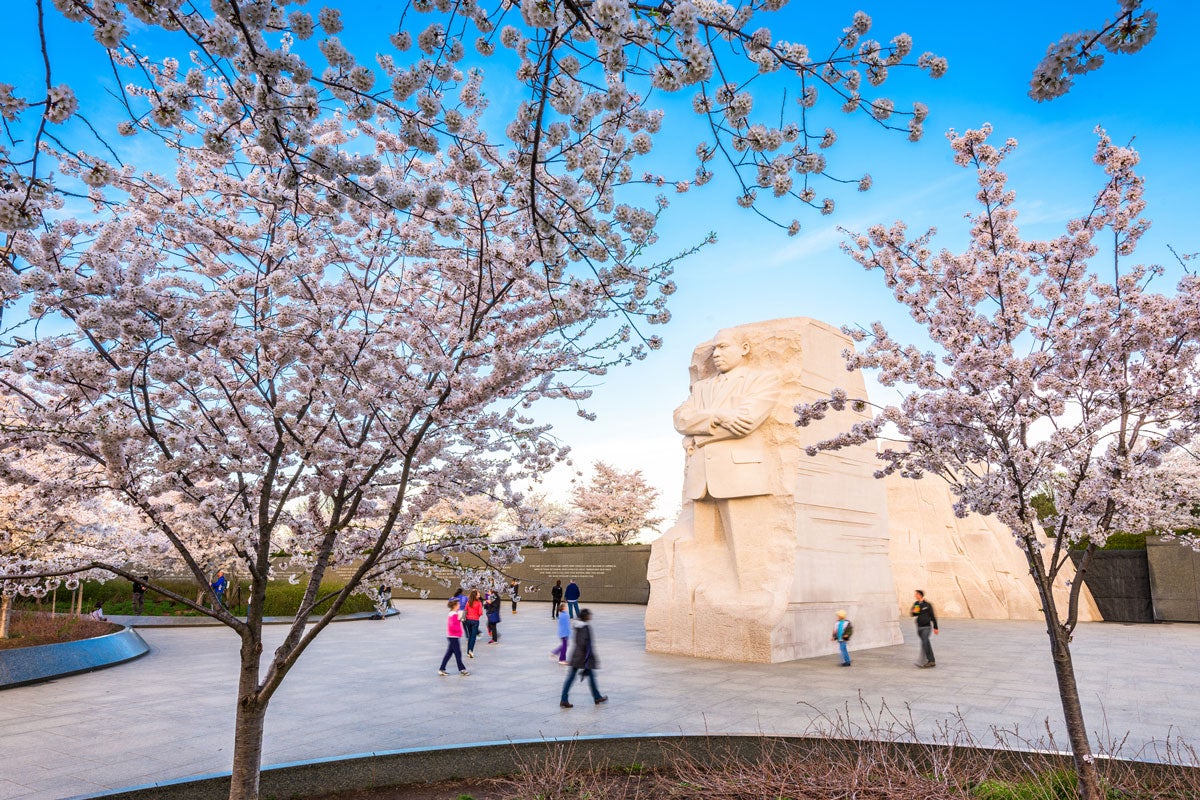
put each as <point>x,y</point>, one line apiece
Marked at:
<point>728,463</point>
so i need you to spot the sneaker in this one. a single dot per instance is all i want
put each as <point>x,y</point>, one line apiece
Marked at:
<point>565,704</point>
<point>443,672</point>
<point>470,654</point>
<point>564,663</point>
<point>931,665</point>
<point>600,700</point>
<point>845,663</point>
<point>463,672</point>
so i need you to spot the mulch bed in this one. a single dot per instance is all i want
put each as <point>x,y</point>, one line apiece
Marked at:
<point>31,628</point>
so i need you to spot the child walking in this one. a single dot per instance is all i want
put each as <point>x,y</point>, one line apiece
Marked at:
<point>454,631</point>
<point>492,607</point>
<point>564,634</point>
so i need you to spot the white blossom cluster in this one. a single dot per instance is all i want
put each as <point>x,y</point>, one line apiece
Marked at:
<point>1079,53</point>
<point>1047,377</point>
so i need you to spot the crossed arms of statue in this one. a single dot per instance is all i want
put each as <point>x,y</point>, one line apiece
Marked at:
<point>702,419</point>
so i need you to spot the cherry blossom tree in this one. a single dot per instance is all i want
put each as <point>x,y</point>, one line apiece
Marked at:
<point>615,506</point>
<point>317,294</point>
<point>1079,53</point>
<point>1053,367</point>
<point>48,540</point>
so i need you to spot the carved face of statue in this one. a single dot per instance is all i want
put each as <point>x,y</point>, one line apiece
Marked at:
<point>728,352</point>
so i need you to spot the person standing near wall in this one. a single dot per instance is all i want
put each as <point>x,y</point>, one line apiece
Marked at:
<point>572,598</point>
<point>514,589</point>
<point>556,596</point>
<point>139,595</point>
<point>841,634</point>
<point>926,621</point>
<point>492,607</point>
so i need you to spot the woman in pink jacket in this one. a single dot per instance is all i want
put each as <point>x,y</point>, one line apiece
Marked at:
<point>454,631</point>
<point>472,614</point>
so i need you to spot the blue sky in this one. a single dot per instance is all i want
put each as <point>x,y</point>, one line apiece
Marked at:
<point>755,271</point>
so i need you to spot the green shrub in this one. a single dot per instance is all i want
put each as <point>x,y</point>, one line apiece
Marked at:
<point>1059,784</point>
<point>116,596</point>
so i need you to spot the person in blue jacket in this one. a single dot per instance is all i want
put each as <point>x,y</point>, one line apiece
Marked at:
<point>571,595</point>
<point>564,634</point>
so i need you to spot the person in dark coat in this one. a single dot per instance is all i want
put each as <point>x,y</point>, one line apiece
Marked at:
<point>583,657</point>
<point>926,622</point>
<point>556,598</point>
<point>572,598</point>
<point>492,608</point>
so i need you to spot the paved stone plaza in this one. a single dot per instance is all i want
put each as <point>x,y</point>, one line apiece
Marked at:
<point>369,686</point>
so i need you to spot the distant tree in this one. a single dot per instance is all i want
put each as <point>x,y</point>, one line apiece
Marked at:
<point>1051,370</point>
<point>543,519</point>
<point>614,506</point>
<point>1078,53</point>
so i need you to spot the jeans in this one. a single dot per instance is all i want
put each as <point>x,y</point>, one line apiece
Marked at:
<point>453,648</point>
<point>573,608</point>
<point>571,673</point>
<point>562,650</point>
<point>926,648</point>
<point>493,631</point>
<point>845,652</point>
<point>472,630</point>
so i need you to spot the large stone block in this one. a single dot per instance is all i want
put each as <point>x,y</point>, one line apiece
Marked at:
<point>770,542</point>
<point>1174,580</point>
<point>967,566</point>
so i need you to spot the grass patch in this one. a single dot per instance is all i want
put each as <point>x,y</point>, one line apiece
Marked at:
<point>116,597</point>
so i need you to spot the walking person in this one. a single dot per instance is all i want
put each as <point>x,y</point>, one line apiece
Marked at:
<point>926,621</point>
<point>492,608</point>
<point>571,595</point>
<point>564,634</point>
<point>474,612</point>
<point>454,631</point>
<point>842,632</point>
<point>514,589</point>
<point>139,595</point>
<point>583,657</point>
<point>555,598</point>
<point>218,586</point>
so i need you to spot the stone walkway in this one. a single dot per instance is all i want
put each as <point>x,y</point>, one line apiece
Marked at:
<point>373,685</point>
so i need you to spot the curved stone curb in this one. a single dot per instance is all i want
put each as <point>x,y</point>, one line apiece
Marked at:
<point>43,662</point>
<point>395,768</point>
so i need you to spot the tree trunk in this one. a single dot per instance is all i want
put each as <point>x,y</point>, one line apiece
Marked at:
<point>248,728</point>
<point>5,613</point>
<point>1068,692</point>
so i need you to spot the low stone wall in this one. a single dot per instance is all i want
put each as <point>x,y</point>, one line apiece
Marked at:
<point>1174,580</point>
<point>25,665</point>
<point>493,759</point>
<point>1119,581</point>
<point>604,573</point>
